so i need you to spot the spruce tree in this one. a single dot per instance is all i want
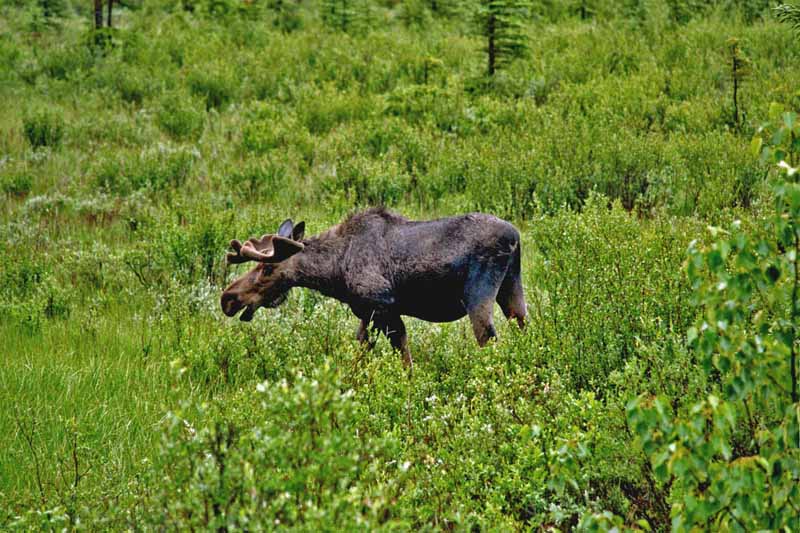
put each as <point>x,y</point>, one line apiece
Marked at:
<point>501,23</point>
<point>740,69</point>
<point>443,8</point>
<point>789,14</point>
<point>339,14</point>
<point>286,14</point>
<point>98,14</point>
<point>52,9</point>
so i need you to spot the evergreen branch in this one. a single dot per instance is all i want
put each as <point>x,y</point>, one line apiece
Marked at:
<point>789,14</point>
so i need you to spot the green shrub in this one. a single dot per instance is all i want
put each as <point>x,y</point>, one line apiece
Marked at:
<point>261,179</point>
<point>179,116</point>
<point>415,14</point>
<point>311,421</point>
<point>321,111</point>
<point>22,277</point>
<point>10,56</point>
<point>285,15</point>
<point>133,85</point>
<point>154,170</point>
<point>424,103</point>
<point>263,135</point>
<point>345,15</point>
<point>214,84</point>
<point>163,168</point>
<point>733,455</point>
<point>66,62</point>
<point>44,126</point>
<point>631,276</point>
<point>16,183</point>
<point>120,129</point>
<point>363,182</point>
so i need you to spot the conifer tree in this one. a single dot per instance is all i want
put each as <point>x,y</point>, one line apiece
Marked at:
<point>339,14</point>
<point>98,14</point>
<point>444,8</point>
<point>789,14</point>
<point>740,69</point>
<point>109,20</point>
<point>286,16</point>
<point>52,8</point>
<point>501,23</point>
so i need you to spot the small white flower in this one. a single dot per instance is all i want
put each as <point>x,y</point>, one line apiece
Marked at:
<point>405,466</point>
<point>790,170</point>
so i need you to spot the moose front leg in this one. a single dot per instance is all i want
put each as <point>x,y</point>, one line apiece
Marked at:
<point>395,331</point>
<point>391,326</point>
<point>362,335</point>
<point>399,339</point>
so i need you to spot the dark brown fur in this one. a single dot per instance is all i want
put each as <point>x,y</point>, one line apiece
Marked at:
<point>384,266</point>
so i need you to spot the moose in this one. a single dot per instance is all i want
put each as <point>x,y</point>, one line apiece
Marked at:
<point>385,266</point>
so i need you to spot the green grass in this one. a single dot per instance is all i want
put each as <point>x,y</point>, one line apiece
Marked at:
<point>98,373</point>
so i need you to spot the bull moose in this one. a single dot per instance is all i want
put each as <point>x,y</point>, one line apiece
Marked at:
<point>384,266</point>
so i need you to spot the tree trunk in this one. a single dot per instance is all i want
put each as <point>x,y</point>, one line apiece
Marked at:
<point>735,90</point>
<point>490,33</point>
<point>110,6</point>
<point>98,14</point>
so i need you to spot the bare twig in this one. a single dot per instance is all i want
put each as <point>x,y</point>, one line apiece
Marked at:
<point>29,441</point>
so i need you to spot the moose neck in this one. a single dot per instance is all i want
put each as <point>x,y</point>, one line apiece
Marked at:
<point>317,267</point>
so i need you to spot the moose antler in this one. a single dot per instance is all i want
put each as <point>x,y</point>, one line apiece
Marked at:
<point>267,249</point>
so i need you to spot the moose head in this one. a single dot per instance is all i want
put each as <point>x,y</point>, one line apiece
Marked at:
<point>267,284</point>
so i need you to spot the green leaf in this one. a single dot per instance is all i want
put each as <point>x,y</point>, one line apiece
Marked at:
<point>715,260</point>
<point>691,336</point>
<point>775,110</point>
<point>755,146</point>
<point>773,273</point>
<point>789,119</point>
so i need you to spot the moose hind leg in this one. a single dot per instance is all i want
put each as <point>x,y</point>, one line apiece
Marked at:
<point>479,295</point>
<point>511,299</point>
<point>480,315</point>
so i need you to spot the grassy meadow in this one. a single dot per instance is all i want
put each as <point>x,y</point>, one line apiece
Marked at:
<point>131,156</point>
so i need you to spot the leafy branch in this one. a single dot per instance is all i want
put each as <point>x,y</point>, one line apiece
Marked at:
<point>789,14</point>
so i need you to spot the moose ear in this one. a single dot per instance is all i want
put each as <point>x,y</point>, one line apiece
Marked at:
<point>284,248</point>
<point>298,231</point>
<point>285,229</point>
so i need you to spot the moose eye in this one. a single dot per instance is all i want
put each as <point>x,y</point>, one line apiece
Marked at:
<point>267,270</point>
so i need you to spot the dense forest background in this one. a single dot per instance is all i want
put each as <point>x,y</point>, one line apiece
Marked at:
<point>646,149</point>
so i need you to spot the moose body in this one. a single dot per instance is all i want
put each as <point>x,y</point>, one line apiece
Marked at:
<point>384,267</point>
